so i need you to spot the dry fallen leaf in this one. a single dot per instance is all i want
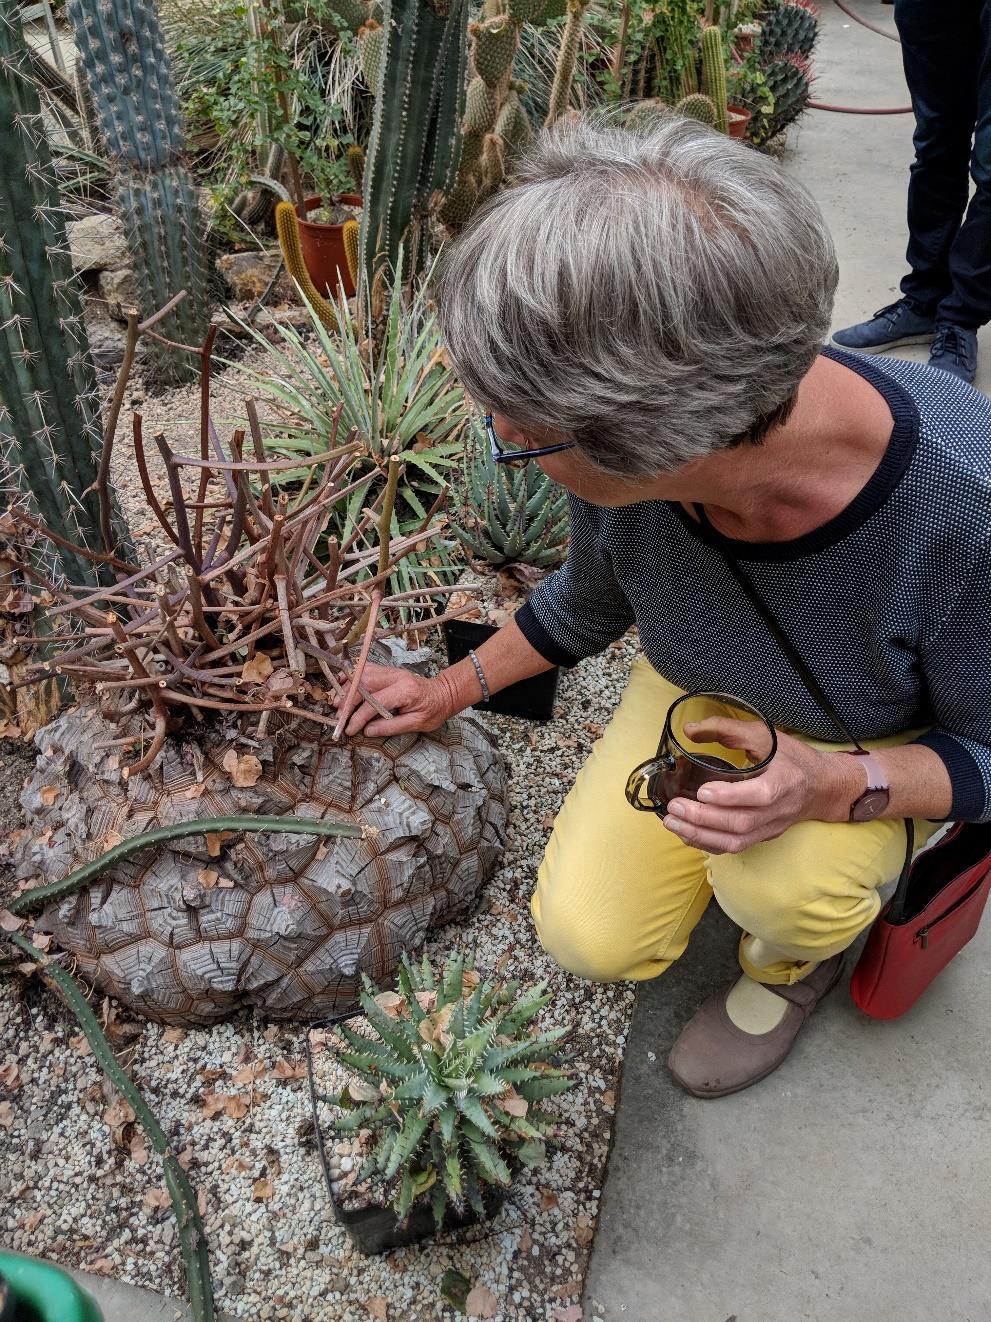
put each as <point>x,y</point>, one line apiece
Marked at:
<point>213,1104</point>
<point>174,1035</point>
<point>225,883</point>
<point>139,1151</point>
<point>8,923</point>
<point>80,1046</point>
<point>584,1230</point>
<point>514,1105</point>
<point>185,1156</point>
<point>244,771</point>
<point>207,878</point>
<point>111,840</point>
<point>391,1002</point>
<point>262,1189</point>
<point>48,794</point>
<point>361,1091</point>
<point>284,1069</point>
<point>573,1313</point>
<point>378,1308</point>
<point>548,1199</point>
<point>154,1199</point>
<point>7,1115</point>
<point>32,1222</point>
<point>118,1114</point>
<point>101,1267</point>
<point>481,1302</point>
<point>249,1073</point>
<point>566,1290</point>
<point>257,669</point>
<point>525,1242</point>
<point>235,1108</point>
<point>215,841</point>
<point>201,1202</point>
<point>42,939</point>
<point>609,1100</point>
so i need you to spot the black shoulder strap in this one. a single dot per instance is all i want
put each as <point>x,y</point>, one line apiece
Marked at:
<point>816,690</point>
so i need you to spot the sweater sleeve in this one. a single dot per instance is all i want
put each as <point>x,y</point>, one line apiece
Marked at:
<point>956,664</point>
<point>580,609</point>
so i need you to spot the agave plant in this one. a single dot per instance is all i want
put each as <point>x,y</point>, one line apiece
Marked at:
<point>452,1086</point>
<point>510,514</point>
<point>398,395</point>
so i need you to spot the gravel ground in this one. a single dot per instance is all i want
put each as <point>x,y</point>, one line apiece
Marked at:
<point>78,1185</point>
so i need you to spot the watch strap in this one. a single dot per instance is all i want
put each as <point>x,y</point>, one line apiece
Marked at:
<point>877,777</point>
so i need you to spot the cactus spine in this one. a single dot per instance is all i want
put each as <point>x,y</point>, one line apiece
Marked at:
<point>49,409</point>
<point>567,56</point>
<point>123,54</point>
<point>714,74</point>
<point>415,144</point>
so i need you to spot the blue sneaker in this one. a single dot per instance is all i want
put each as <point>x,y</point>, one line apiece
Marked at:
<point>899,323</point>
<point>955,350</point>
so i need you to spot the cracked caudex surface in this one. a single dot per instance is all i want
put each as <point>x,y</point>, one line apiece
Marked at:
<point>284,923</point>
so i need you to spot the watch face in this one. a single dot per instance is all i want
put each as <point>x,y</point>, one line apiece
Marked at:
<point>870,805</point>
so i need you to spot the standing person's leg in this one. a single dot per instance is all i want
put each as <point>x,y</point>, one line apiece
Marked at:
<point>968,304</point>
<point>941,51</point>
<point>617,895</point>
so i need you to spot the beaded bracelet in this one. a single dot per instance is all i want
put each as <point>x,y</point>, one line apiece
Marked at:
<point>480,673</point>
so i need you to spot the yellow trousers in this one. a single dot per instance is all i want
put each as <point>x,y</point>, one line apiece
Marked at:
<point>618,895</point>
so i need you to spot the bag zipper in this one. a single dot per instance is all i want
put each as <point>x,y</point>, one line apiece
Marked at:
<point>922,935</point>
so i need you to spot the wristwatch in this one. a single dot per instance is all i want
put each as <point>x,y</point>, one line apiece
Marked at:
<point>876,796</point>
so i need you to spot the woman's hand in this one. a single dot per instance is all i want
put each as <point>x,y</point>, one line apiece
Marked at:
<point>801,784</point>
<point>416,703</point>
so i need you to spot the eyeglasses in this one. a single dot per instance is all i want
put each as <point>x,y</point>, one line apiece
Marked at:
<point>518,457</point>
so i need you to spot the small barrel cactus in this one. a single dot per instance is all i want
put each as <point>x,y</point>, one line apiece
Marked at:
<point>511,514</point>
<point>697,106</point>
<point>452,1086</point>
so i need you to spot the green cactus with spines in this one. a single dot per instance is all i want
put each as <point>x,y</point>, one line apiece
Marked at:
<point>50,428</point>
<point>789,81</point>
<point>453,1086</point>
<point>549,11</point>
<point>481,106</point>
<point>643,113</point>
<point>698,106</point>
<point>356,165</point>
<point>123,54</point>
<point>460,202</point>
<point>413,154</point>
<point>788,30</point>
<point>567,58</point>
<point>510,514</point>
<point>714,74</point>
<point>371,44</point>
<point>287,231</point>
<point>494,48</point>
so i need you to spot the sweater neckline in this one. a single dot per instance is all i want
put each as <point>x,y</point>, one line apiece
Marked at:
<point>894,463</point>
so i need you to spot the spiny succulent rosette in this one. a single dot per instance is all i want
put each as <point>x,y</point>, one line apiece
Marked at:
<point>215,678</point>
<point>452,1086</point>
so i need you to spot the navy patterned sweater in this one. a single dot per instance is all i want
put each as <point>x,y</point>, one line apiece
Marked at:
<point>889,602</point>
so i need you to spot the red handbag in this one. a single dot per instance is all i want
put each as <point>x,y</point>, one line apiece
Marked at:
<point>935,910</point>
<point>939,899</point>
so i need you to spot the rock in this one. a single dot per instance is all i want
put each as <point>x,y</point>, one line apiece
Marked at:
<point>97,243</point>
<point>247,273</point>
<point>106,342</point>
<point>120,289</point>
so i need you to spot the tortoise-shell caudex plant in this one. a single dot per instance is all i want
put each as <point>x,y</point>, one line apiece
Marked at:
<point>451,1090</point>
<point>214,679</point>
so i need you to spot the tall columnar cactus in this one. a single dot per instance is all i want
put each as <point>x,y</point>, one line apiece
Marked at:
<point>49,411</point>
<point>567,56</point>
<point>415,144</point>
<point>122,51</point>
<point>714,74</point>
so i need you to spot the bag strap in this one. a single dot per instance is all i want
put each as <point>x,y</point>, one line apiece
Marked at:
<point>816,690</point>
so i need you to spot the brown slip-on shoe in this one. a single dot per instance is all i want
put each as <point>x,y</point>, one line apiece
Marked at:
<point>713,1058</point>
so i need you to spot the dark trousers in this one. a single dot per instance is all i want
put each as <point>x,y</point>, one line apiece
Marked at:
<point>946,48</point>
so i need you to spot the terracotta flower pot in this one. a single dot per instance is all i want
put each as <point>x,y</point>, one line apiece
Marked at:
<point>323,248</point>
<point>738,121</point>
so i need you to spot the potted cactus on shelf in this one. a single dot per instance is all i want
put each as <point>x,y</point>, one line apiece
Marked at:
<point>447,1103</point>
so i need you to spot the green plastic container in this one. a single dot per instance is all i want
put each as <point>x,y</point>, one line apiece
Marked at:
<point>35,1291</point>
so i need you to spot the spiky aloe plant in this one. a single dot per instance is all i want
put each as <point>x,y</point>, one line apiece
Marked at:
<point>415,144</point>
<point>123,53</point>
<point>451,1086</point>
<point>511,514</point>
<point>49,407</point>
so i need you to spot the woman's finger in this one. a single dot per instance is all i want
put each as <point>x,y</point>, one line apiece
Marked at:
<point>415,721</point>
<point>750,736</point>
<point>710,842</point>
<point>727,821</point>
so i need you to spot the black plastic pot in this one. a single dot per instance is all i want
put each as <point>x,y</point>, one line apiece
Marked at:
<point>533,698</point>
<point>375,1229</point>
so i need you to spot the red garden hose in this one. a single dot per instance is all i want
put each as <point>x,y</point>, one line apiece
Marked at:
<point>862,110</point>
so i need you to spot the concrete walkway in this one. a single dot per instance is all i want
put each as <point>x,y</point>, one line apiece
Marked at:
<point>853,1183</point>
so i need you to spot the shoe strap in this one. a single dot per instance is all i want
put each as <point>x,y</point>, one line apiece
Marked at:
<point>799,993</point>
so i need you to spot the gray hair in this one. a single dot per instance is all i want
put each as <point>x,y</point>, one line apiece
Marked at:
<point>655,293</point>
